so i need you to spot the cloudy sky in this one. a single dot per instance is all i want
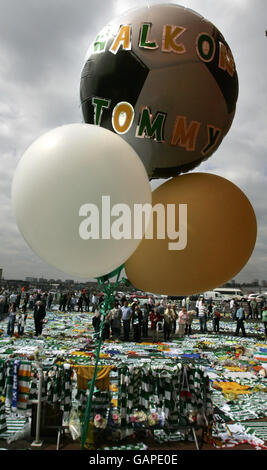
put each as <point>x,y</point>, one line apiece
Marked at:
<point>42,47</point>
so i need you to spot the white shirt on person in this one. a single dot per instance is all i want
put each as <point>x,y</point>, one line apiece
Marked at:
<point>202,310</point>
<point>13,298</point>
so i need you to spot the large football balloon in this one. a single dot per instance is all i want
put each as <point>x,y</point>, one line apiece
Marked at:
<point>164,78</point>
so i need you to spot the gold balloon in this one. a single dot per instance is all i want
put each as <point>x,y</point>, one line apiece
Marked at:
<point>221,235</point>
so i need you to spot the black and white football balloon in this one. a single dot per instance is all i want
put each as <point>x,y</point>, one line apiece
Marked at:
<point>164,78</point>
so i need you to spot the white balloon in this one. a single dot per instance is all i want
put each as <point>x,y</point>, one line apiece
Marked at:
<point>60,192</point>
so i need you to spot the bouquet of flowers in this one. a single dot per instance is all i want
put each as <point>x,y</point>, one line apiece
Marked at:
<point>138,418</point>
<point>116,419</point>
<point>153,419</point>
<point>100,422</point>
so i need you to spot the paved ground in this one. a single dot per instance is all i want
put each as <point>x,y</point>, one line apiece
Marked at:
<point>66,443</point>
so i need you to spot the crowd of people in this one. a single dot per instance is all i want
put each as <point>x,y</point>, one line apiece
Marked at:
<point>255,308</point>
<point>133,320</point>
<point>127,319</point>
<point>167,318</point>
<point>16,305</point>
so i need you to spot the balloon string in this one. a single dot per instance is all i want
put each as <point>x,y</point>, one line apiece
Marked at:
<point>108,289</point>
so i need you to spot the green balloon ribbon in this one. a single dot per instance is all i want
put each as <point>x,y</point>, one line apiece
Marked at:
<point>108,303</point>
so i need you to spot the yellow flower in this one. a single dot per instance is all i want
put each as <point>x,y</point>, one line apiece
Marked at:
<point>232,388</point>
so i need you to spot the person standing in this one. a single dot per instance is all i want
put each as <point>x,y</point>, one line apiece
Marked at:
<point>215,319</point>
<point>145,318</point>
<point>68,301</point>
<point>260,303</point>
<point>94,302</point>
<point>189,320</point>
<point>2,308</point>
<point>182,318</point>
<point>264,319</point>
<point>137,322</point>
<point>13,298</point>
<point>65,301</point>
<point>2,305</point>
<point>174,317</point>
<point>187,303</point>
<point>172,314</point>
<point>39,295</point>
<point>96,321</point>
<point>116,315</point>
<point>155,317</point>
<point>49,301</point>
<point>2,296</point>
<point>26,300</point>
<point>126,319</point>
<point>31,302</point>
<point>61,302</point>
<point>24,313</point>
<point>210,307</point>
<point>18,299</point>
<point>249,315</point>
<point>11,319</point>
<point>198,303</point>
<point>106,326</point>
<point>160,308</point>
<point>72,302</point>
<point>253,305</point>
<point>44,299</point>
<point>231,306</point>
<point>167,323</point>
<point>235,307</point>
<point>224,307</point>
<point>21,318</point>
<point>151,303</point>
<point>39,315</point>
<point>80,303</point>
<point>86,300</point>
<point>202,315</point>
<point>240,316</point>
